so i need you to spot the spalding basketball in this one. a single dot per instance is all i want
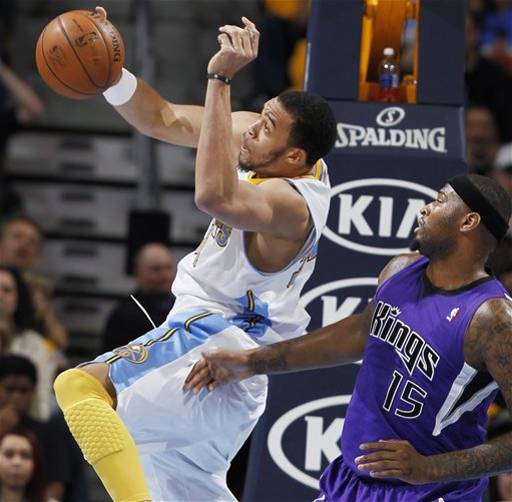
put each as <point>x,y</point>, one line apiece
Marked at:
<point>80,54</point>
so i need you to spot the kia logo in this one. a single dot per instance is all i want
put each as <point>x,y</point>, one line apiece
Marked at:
<point>390,117</point>
<point>336,306</point>
<point>321,439</point>
<point>376,215</point>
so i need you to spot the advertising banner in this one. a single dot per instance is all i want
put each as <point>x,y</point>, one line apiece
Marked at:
<point>388,162</point>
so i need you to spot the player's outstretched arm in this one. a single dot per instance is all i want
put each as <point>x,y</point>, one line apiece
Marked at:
<point>154,116</point>
<point>339,343</point>
<point>487,347</point>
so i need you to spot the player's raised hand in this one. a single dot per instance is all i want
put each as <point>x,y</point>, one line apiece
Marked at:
<point>217,368</point>
<point>238,47</point>
<point>395,459</point>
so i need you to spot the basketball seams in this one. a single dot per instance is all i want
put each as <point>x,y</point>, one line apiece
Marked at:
<point>48,66</point>
<point>107,46</point>
<point>62,27</point>
<point>79,50</point>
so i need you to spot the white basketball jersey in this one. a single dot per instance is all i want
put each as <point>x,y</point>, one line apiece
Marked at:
<point>218,276</point>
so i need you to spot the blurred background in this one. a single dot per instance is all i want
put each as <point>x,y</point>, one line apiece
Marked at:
<point>91,212</point>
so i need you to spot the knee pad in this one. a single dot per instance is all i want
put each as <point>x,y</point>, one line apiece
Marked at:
<point>101,435</point>
<point>88,411</point>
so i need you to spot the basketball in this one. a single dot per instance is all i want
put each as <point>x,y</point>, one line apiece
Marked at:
<point>79,54</point>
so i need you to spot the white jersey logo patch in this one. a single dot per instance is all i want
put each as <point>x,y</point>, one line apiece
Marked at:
<point>453,314</point>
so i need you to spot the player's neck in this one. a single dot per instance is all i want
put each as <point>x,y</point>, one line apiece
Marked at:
<point>455,271</point>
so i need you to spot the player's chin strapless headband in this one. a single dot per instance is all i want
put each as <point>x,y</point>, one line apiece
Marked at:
<point>472,197</point>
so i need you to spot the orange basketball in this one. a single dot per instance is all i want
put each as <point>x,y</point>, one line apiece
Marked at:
<point>79,54</point>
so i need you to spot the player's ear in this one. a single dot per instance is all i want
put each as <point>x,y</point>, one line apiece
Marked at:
<point>296,156</point>
<point>470,222</point>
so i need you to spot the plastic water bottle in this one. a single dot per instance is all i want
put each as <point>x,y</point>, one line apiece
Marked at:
<point>389,78</point>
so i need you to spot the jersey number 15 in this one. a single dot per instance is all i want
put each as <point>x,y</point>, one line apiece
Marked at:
<point>408,405</point>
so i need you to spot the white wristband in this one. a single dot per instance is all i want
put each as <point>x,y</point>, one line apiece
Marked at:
<point>123,91</point>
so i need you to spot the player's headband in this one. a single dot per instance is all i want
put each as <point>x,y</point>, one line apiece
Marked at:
<point>474,199</point>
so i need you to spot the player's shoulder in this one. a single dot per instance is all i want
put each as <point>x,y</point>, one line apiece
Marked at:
<point>496,311</point>
<point>490,328</point>
<point>276,185</point>
<point>396,264</point>
<point>284,195</point>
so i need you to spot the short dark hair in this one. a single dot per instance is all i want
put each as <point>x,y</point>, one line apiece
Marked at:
<point>23,218</point>
<point>314,124</point>
<point>12,365</point>
<point>495,194</point>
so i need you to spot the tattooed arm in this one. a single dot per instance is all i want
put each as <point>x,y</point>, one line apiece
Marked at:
<point>487,347</point>
<point>340,343</point>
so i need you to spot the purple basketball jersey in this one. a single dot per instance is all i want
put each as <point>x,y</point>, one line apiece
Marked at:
<point>414,383</point>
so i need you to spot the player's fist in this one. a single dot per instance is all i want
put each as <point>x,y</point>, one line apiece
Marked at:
<point>238,47</point>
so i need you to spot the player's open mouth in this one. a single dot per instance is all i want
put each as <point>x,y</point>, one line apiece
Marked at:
<point>421,223</point>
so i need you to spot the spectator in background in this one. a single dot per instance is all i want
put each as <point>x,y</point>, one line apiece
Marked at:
<point>503,487</point>
<point>500,260</point>
<point>482,139</point>
<point>486,82</point>
<point>478,9</point>
<point>21,468</point>
<point>18,380</point>
<point>16,304</point>
<point>506,279</point>
<point>496,39</point>
<point>19,106</point>
<point>47,323</point>
<point>502,167</point>
<point>21,241</point>
<point>500,486</point>
<point>154,270</point>
<point>6,332</point>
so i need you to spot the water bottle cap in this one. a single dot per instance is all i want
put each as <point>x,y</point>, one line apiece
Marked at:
<point>389,51</point>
